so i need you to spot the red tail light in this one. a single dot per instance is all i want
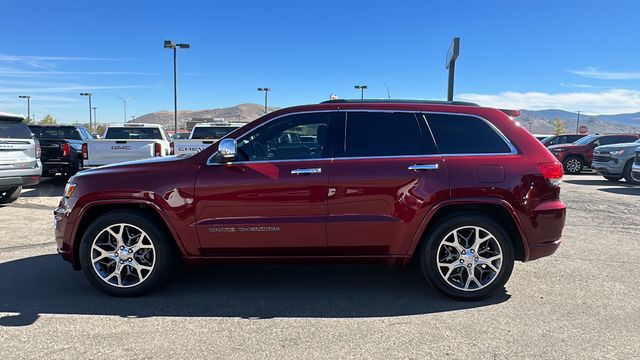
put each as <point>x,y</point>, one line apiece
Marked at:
<point>552,171</point>
<point>85,151</point>
<point>157,149</point>
<point>66,150</point>
<point>172,148</point>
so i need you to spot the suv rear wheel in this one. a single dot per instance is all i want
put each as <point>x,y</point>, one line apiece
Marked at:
<point>126,253</point>
<point>467,257</point>
<point>573,165</point>
<point>10,195</point>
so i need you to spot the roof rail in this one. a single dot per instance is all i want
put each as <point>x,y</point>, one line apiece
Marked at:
<point>398,101</point>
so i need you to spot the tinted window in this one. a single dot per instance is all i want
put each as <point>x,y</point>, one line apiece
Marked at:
<point>213,132</point>
<point>607,140</point>
<point>281,139</point>
<point>134,133</point>
<point>385,134</point>
<point>55,133</point>
<point>462,134</point>
<point>14,130</point>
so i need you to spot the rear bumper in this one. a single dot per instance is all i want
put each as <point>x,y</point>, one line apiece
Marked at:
<point>545,225</point>
<point>53,167</point>
<point>14,181</point>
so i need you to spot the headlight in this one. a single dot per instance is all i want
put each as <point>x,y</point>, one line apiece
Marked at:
<point>617,152</point>
<point>69,189</point>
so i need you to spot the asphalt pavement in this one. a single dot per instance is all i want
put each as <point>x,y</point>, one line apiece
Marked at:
<point>582,302</point>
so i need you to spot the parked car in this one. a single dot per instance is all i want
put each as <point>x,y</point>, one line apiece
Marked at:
<point>19,158</point>
<point>561,139</point>
<point>541,137</point>
<point>576,156</point>
<point>126,142</point>
<point>635,168</point>
<point>614,162</point>
<point>61,148</point>
<point>463,190</point>
<point>203,135</point>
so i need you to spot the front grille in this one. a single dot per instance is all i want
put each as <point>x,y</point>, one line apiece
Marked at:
<point>601,158</point>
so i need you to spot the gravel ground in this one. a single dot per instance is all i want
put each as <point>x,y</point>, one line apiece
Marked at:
<point>583,302</point>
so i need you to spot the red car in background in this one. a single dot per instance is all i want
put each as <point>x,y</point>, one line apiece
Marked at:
<point>580,154</point>
<point>461,189</point>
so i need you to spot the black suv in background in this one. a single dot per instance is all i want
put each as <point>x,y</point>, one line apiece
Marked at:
<point>61,148</point>
<point>561,139</point>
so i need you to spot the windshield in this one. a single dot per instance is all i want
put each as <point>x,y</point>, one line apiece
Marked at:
<point>213,132</point>
<point>55,133</point>
<point>585,140</point>
<point>14,130</point>
<point>134,133</point>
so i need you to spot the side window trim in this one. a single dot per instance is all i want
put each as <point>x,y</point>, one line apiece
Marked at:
<point>514,151</point>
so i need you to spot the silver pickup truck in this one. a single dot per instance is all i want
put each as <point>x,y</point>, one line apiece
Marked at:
<point>19,158</point>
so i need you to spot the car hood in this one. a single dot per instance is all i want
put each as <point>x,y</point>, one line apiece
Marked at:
<point>132,164</point>
<point>612,147</point>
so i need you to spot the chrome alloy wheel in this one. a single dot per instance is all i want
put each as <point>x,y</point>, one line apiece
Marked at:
<point>574,165</point>
<point>469,258</point>
<point>123,255</point>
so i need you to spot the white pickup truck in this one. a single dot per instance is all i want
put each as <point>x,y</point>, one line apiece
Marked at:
<point>202,136</point>
<point>126,142</point>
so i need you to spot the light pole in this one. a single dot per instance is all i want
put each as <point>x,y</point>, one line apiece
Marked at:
<point>124,101</point>
<point>266,97</point>
<point>95,117</point>
<point>362,88</point>
<point>28,105</point>
<point>133,117</point>
<point>578,123</point>
<point>170,44</point>
<point>89,95</point>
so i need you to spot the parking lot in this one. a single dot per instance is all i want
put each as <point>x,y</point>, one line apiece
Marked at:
<point>579,303</point>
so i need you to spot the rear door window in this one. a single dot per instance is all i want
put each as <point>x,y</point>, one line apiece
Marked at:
<point>465,134</point>
<point>385,134</point>
<point>14,130</point>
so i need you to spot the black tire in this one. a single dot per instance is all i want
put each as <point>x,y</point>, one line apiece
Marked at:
<point>10,195</point>
<point>163,247</point>
<point>612,178</point>
<point>428,255</point>
<point>627,173</point>
<point>573,165</point>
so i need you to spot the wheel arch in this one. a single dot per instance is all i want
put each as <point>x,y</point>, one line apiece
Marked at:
<point>93,210</point>
<point>496,209</point>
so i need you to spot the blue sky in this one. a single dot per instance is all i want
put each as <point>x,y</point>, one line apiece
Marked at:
<point>574,55</point>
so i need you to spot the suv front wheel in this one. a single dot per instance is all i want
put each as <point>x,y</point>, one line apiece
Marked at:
<point>126,253</point>
<point>467,257</point>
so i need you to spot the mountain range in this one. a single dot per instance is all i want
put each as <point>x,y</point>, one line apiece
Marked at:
<point>538,121</point>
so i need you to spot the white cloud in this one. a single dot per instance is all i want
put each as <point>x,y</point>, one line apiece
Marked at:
<point>613,101</point>
<point>594,73</point>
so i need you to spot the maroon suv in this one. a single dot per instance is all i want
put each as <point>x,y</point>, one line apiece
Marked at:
<point>459,188</point>
<point>580,154</point>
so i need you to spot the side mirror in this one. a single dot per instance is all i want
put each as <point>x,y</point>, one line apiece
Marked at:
<point>228,149</point>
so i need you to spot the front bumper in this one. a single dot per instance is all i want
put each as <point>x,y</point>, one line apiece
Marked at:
<point>611,167</point>
<point>63,230</point>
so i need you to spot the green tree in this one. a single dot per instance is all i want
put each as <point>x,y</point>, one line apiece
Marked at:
<point>48,120</point>
<point>27,121</point>
<point>558,126</point>
<point>100,130</point>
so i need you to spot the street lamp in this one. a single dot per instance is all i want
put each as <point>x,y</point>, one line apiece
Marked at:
<point>95,117</point>
<point>125,105</point>
<point>169,44</point>
<point>28,105</point>
<point>89,95</point>
<point>266,97</point>
<point>362,88</point>
<point>578,123</point>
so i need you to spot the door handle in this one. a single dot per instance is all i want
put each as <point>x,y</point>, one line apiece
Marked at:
<point>309,171</point>
<point>424,167</point>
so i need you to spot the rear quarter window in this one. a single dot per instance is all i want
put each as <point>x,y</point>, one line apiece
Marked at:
<point>464,134</point>
<point>14,130</point>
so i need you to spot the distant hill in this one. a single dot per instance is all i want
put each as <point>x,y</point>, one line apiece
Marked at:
<point>238,113</point>
<point>541,120</point>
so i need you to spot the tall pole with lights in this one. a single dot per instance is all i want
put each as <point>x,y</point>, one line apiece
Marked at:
<point>578,122</point>
<point>90,108</point>
<point>266,98</point>
<point>124,101</point>
<point>28,105</point>
<point>170,44</point>
<point>362,88</point>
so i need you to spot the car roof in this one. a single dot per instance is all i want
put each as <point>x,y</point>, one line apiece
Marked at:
<point>11,117</point>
